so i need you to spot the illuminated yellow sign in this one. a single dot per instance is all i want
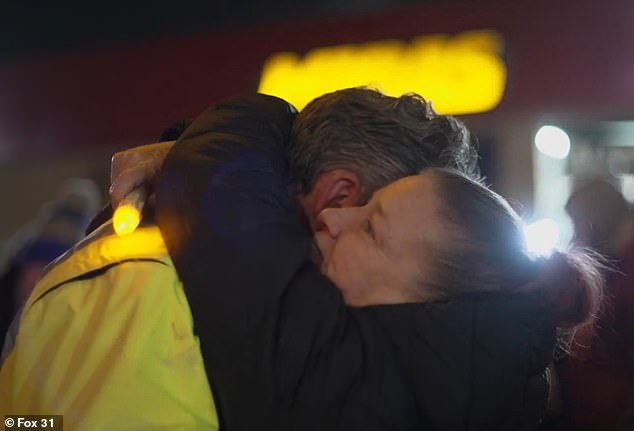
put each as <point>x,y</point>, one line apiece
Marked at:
<point>460,74</point>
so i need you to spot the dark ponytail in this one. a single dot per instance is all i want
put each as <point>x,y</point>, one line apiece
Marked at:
<point>488,253</point>
<point>570,283</point>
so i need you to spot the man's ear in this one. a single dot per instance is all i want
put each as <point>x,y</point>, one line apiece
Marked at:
<point>336,189</point>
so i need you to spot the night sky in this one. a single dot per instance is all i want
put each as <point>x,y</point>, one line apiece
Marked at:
<point>30,29</point>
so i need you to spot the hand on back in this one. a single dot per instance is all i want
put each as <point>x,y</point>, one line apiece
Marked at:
<point>138,166</point>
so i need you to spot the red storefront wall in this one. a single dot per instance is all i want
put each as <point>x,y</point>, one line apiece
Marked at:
<point>562,56</point>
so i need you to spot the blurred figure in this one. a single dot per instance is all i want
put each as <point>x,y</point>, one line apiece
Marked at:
<point>602,218</point>
<point>597,378</point>
<point>59,224</point>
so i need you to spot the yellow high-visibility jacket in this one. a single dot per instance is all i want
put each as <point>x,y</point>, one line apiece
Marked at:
<point>106,339</point>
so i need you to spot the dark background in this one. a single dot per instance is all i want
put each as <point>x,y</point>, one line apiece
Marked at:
<point>80,81</point>
<point>29,29</point>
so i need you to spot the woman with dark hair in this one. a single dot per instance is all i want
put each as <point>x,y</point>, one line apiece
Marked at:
<point>461,237</point>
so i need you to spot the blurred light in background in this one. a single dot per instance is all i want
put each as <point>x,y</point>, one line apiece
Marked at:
<point>461,74</point>
<point>542,236</point>
<point>552,185</point>
<point>627,187</point>
<point>553,142</point>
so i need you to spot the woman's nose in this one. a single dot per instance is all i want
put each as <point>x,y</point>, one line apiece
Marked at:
<point>337,220</point>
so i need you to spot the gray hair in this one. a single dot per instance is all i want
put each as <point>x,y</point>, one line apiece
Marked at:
<point>378,137</point>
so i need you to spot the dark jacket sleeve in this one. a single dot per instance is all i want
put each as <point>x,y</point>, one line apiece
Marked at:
<point>225,211</point>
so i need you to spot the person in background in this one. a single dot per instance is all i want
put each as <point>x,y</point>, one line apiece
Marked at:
<point>596,379</point>
<point>59,224</point>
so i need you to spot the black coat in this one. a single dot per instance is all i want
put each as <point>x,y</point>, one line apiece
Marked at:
<point>282,350</point>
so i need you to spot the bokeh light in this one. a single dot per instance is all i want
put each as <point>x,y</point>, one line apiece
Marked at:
<point>553,142</point>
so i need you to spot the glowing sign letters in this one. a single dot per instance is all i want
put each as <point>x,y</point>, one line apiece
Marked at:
<point>460,74</point>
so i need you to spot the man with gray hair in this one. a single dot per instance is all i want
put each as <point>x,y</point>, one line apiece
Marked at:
<point>378,138</point>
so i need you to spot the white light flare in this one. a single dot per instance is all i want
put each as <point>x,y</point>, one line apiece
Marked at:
<point>553,142</point>
<point>542,237</point>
